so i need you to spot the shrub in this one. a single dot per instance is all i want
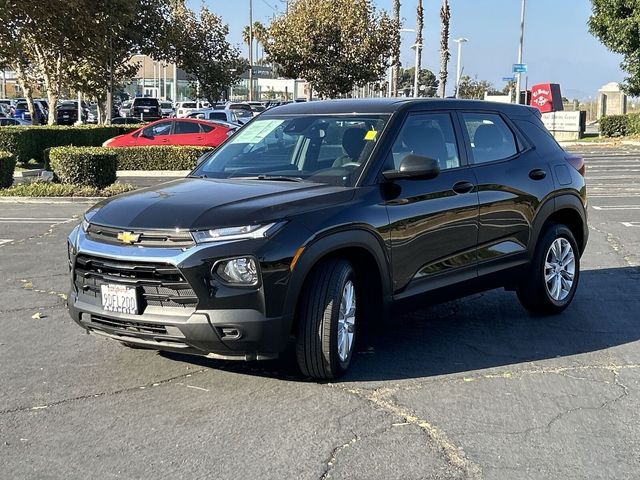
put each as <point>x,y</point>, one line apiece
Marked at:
<point>31,142</point>
<point>94,167</point>
<point>163,157</point>
<point>7,167</point>
<point>614,126</point>
<point>158,158</point>
<point>45,189</point>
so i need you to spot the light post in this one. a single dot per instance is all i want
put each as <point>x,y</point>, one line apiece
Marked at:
<point>417,46</point>
<point>520,50</point>
<point>250,50</point>
<point>459,41</point>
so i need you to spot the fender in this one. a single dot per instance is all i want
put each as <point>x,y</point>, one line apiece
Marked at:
<point>565,201</point>
<point>319,247</point>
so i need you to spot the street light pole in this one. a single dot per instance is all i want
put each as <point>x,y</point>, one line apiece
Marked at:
<point>459,41</point>
<point>250,50</point>
<point>519,75</point>
<point>417,46</point>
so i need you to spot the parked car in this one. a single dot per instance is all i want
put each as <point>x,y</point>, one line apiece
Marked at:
<point>314,218</point>
<point>185,108</point>
<point>184,131</point>
<point>125,121</point>
<point>15,122</point>
<point>256,107</point>
<point>67,113</point>
<point>22,112</point>
<point>167,109</point>
<point>146,108</point>
<point>125,108</point>
<point>232,116</point>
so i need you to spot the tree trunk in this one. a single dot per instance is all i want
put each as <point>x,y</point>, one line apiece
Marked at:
<point>395,69</point>
<point>52,98</point>
<point>445,17</point>
<point>24,83</point>
<point>419,39</point>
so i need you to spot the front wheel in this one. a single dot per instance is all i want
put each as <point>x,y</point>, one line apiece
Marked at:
<point>327,320</point>
<point>552,279</point>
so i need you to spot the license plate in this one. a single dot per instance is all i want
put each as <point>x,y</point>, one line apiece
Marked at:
<point>65,116</point>
<point>146,110</point>
<point>120,299</point>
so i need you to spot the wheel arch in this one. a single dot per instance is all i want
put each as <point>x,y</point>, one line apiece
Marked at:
<point>360,246</point>
<point>568,210</point>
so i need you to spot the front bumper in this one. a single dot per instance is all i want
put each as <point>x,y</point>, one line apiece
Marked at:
<point>225,323</point>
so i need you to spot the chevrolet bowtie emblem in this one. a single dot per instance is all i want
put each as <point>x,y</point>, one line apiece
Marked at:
<point>128,237</point>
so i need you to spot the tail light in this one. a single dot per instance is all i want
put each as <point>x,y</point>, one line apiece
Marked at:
<point>576,162</point>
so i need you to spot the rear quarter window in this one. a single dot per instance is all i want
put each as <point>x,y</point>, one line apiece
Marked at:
<point>541,138</point>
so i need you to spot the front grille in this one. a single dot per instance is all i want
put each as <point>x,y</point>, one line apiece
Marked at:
<point>124,325</point>
<point>148,238</point>
<point>159,284</point>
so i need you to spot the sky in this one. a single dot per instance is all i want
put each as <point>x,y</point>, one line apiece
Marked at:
<point>557,47</point>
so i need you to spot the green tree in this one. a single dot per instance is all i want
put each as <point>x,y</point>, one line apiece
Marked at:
<point>616,24</point>
<point>474,89</point>
<point>334,44</point>
<point>203,52</point>
<point>427,82</point>
<point>259,37</point>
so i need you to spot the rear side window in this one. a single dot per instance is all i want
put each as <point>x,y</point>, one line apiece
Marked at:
<point>491,138</point>
<point>186,127</point>
<point>146,102</point>
<point>206,128</point>
<point>217,116</point>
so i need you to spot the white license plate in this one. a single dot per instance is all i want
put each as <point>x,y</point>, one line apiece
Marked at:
<point>65,116</point>
<point>118,298</point>
<point>146,110</point>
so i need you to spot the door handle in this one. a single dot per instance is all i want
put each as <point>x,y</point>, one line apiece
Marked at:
<point>463,187</point>
<point>537,174</point>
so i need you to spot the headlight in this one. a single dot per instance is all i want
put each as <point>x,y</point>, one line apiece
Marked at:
<point>243,232</point>
<point>237,271</point>
<point>86,219</point>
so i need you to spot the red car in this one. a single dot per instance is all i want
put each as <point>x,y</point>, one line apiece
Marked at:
<point>173,131</point>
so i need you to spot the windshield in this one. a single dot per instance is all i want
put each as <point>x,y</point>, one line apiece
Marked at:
<point>146,102</point>
<point>321,149</point>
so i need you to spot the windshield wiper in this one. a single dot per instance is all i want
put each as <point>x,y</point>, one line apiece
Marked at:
<point>279,178</point>
<point>197,176</point>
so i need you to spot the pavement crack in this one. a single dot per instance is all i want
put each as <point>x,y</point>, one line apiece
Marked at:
<point>99,394</point>
<point>28,285</point>
<point>39,236</point>
<point>334,454</point>
<point>616,245</point>
<point>453,455</point>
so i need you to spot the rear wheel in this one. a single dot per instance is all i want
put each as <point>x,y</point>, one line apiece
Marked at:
<point>327,320</point>
<point>552,279</point>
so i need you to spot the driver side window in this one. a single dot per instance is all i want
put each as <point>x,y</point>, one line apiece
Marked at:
<point>428,135</point>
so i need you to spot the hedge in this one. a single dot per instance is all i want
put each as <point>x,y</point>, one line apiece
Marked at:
<point>162,157</point>
<point>31,142</point>
<point>93,167</point>
<point>614,126</point>
<point>7,167</point>
<point>46,189</point>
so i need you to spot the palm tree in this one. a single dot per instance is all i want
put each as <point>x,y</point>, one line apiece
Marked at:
<point>419,39</point>
<point>259,36</point>
<point>395,62</point>
<point>445,18</point>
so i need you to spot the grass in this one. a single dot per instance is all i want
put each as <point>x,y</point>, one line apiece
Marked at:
<point>46,189</point>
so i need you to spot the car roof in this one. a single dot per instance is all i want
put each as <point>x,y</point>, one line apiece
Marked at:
<point>390,105</point>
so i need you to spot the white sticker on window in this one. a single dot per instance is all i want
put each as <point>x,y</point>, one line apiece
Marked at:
<point>256,131</point>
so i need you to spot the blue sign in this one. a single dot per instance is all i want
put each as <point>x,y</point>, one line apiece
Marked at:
<point>519,68</point>
<point>508,79</point>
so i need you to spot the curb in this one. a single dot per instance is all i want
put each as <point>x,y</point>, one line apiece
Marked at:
<point>52,200</point>
<point>152,173</point>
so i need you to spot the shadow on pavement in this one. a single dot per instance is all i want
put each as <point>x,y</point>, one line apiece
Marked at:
<point>479,332</point>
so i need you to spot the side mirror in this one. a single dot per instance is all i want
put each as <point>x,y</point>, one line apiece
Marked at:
<point>414,167</point>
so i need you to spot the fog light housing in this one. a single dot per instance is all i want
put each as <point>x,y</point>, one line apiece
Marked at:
<point>241,271</point>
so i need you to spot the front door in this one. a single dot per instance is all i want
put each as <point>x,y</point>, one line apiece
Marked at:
<point>158,133</point>
<point>434,222</point>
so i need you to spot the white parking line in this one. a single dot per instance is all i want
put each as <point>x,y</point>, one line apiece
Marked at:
<point>35,220</point>
<point>5,240</point>
<point>631,224</point>
<point>617,207</point>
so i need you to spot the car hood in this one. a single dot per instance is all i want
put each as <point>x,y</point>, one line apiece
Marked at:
<point>197,204</point>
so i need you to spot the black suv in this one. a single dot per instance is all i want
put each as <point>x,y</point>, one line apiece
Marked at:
<point>146,109</point>
<point>315,217</point>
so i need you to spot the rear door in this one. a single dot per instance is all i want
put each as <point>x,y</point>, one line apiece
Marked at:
<point>513,180</point>
<point>187,133</point>
<point>433,222</point>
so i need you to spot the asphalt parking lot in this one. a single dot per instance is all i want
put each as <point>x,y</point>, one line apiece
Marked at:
<point>469,389</point>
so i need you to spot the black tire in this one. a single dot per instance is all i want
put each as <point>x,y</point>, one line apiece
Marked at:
<point>533,292</point>
<point>317,335</point>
